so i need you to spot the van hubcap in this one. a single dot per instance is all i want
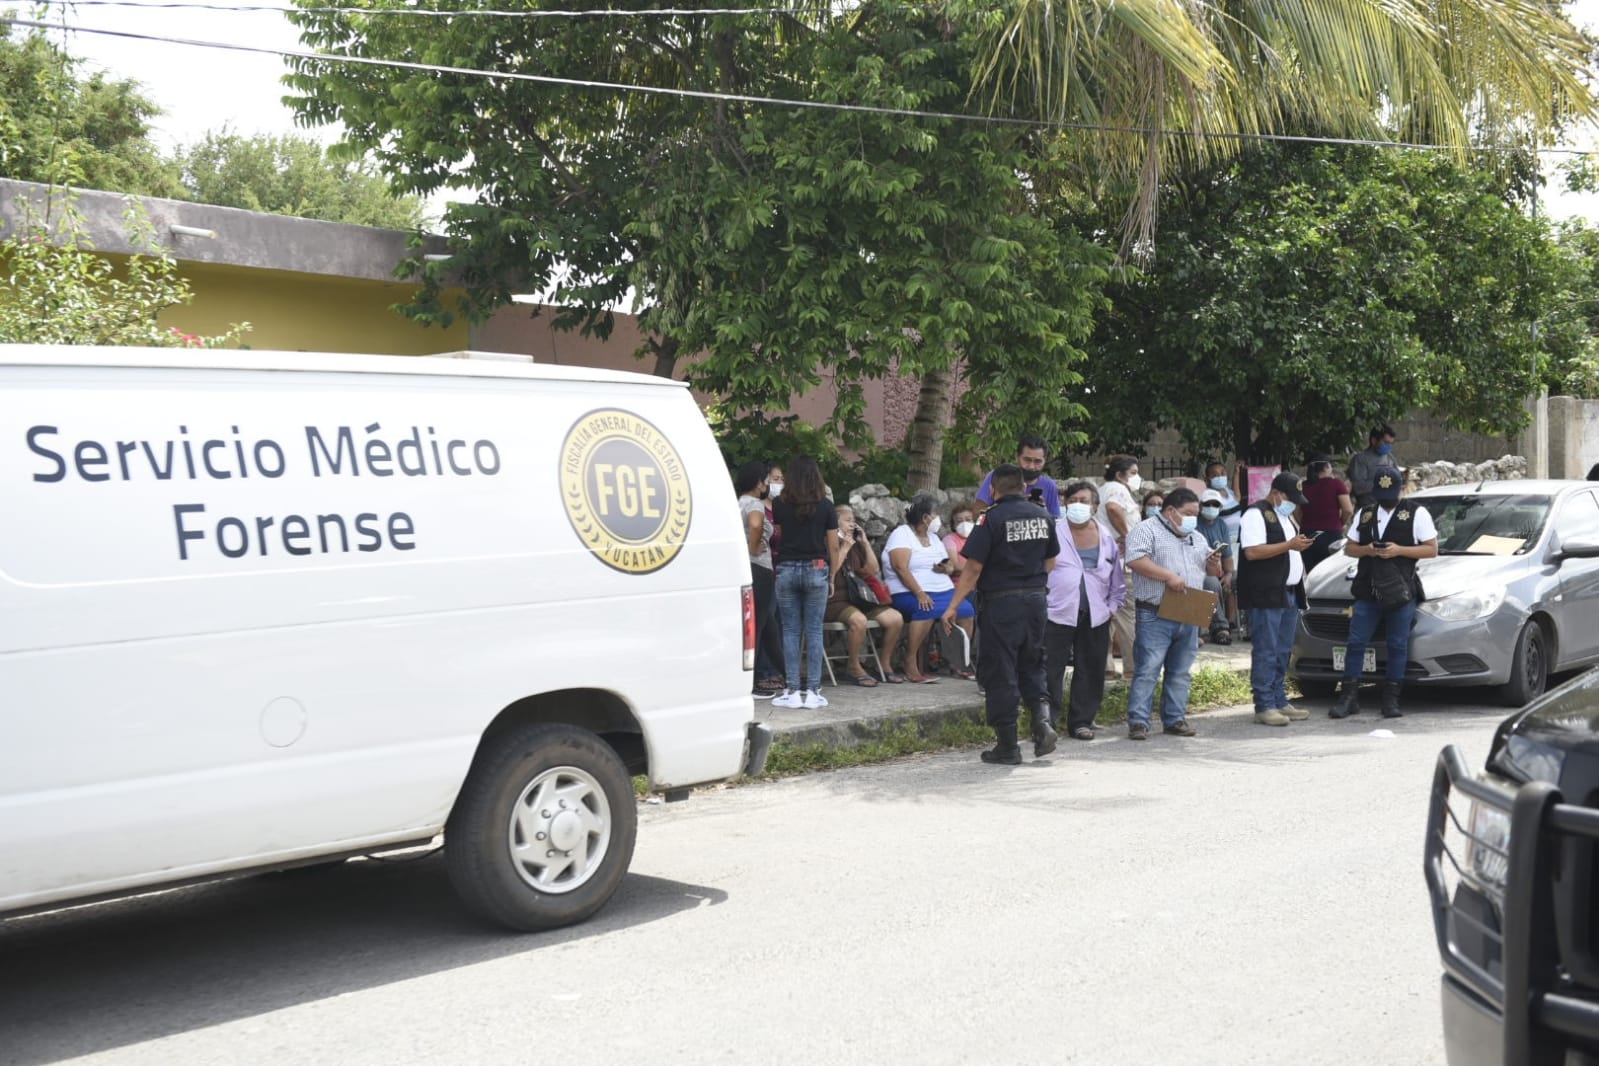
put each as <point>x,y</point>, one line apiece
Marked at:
<point>560,829</point>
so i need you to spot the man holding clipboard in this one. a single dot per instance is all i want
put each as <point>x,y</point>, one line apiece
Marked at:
<point>1169,561</point>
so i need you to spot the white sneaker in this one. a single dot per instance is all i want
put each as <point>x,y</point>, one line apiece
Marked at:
<point>790,698</point>
<point>814,701</point>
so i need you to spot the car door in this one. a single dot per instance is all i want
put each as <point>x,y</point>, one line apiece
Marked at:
<point>1577,609</point>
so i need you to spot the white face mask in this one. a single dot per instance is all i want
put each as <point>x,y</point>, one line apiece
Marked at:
<point>1078,513</point>
<point>964,528</point>
<point>934,525</point>
<point>775,489</point>
<point>1134,482</point>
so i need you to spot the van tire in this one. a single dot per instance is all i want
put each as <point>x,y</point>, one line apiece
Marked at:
<point>556,780</point>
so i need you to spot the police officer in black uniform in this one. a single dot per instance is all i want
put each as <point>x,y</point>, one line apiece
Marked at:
<point>1389,536</point>
<point>1008,559</point>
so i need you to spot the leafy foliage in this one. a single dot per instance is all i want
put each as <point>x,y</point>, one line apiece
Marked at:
<point>291,175</point>
<point>59,128</point>
<point>1300,295</point>
<point>59,291</point>
<point>779,246</point>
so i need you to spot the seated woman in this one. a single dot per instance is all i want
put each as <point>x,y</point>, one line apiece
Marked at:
<point>855,555</point>
<point>916,567</point>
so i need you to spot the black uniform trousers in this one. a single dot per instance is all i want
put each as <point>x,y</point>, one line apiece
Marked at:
<point>1087,646</point>
<point>1011,629</point>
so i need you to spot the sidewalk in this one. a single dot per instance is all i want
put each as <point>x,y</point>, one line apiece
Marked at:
<point>856,714</point>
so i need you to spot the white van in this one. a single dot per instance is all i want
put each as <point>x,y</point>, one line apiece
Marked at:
<point>265,609</point>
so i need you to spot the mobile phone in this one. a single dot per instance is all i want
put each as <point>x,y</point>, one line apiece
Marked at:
<point>1036,495</point>
<point>1379,544</point>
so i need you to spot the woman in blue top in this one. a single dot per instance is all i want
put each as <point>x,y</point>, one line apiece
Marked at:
<point>1086,588</point>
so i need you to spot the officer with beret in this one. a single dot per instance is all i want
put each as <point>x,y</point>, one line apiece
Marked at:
<point>1008,559</point>
<point>1388,538</point>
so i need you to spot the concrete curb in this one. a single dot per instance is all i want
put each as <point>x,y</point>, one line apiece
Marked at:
<point>853,732</point>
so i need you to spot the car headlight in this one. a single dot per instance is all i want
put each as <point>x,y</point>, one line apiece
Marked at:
<point>1465,606</point>
<point>1489,855</point>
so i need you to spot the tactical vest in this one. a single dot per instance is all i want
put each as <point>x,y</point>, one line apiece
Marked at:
<point>1264,582</point>
<point>1401,531</point>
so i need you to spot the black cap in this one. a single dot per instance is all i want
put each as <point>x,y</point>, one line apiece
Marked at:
<point>1288,484</point>
<point>1387,485</point>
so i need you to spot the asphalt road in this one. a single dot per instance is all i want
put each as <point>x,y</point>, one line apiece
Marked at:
<point>1251,896</point>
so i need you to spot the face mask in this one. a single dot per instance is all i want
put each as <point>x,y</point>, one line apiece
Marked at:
<point>1032,475</point>
<point>1384,448</point>
<point>1134,483</point>
<point>1189,523</point>
<point>1219,483</point>
<point>1151,511</point>
<point>933,526</point>
<point>1210,513</point>
<point>774,491</point>
<point>1078,513</point>
<point>1286,509</point>
<point>964,528</point>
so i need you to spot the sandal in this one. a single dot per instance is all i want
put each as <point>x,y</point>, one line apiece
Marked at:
<point>968,675</point>
<point>1082,732</point>
<point>896,678</point>
<point>863,680</point>
<point>921,680</point>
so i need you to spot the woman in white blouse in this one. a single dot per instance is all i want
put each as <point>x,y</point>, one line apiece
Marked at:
<point>916,566</point>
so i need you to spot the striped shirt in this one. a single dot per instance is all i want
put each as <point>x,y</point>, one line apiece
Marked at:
<point>1157,541</point>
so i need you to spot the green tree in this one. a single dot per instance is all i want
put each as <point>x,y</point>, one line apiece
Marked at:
<point>58,127</point>
<point>291,175</point>
<point>1299,295</point>
<point>1184,86</point>
<point>58,290</point>
<point>779,245</point>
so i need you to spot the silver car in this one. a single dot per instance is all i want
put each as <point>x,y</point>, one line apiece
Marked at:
<point>1512,597</point>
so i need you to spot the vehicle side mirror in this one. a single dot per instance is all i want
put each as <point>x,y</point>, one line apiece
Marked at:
<point>1578,548</point>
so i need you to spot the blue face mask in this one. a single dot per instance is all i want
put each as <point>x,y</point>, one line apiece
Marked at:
<point>1219,483</point>
<point>1286,509</point>
<point>1189,523</point>
<point>1384,448</point>
<point>1151,512</point>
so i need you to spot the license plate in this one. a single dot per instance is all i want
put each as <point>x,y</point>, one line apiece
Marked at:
<point>1368,661</point>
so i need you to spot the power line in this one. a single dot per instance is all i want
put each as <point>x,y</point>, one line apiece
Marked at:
<point>745,98</point>
<point>196,5</point>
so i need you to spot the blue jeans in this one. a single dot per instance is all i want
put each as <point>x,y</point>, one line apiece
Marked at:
<point>1158,644</point>
<point>1364,623</point>
<point>801,600</point>
<point>1272,632</point>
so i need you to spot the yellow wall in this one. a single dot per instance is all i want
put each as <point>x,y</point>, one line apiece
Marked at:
<point>309,312</point>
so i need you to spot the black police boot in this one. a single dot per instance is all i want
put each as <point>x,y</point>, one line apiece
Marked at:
<point>1006,751</point>
<point>1390,699</point>
<point>1044,737</point>
<point>1348,701</point>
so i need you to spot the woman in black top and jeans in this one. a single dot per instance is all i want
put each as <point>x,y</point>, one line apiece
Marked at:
<point>809,527</point>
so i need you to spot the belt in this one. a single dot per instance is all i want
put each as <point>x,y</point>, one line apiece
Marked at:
<point>1014,592</point>
<point>1147,603</point>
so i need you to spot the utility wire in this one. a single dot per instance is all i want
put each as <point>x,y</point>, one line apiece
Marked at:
<point>744,98</point>
<point>290,9</point>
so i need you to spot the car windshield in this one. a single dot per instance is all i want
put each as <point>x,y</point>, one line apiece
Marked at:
<point>1487,525</point>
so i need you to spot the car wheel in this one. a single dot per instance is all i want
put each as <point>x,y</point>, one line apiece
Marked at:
<point>1315,688</point>
<point>1529,668</point>
<point>543,830</point>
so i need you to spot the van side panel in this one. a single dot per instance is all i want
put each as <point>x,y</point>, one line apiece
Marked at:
<point>247,616</point>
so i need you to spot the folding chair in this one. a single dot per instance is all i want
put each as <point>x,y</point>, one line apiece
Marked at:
<point>829,628</point>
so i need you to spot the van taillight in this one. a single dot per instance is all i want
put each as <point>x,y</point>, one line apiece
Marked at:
<point>748,593</point>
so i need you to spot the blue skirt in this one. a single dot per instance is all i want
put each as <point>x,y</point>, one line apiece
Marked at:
<point>906,603</point>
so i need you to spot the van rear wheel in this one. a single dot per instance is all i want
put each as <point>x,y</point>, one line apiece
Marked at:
<point>543,830</point>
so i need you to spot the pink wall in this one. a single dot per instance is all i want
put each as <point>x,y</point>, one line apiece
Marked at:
<point>890,404</point>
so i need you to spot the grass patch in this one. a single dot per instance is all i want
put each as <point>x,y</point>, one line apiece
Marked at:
<point>1213,687</point>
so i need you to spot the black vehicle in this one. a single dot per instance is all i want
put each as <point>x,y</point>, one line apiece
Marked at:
<point>1512,862</point>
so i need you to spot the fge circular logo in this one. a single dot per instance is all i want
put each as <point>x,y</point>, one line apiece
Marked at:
<point>626,490</point>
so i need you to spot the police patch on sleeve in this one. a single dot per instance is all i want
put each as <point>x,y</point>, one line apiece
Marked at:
<point>626,490</point>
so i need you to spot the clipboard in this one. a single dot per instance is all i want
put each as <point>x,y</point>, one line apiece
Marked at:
<point>1191,607</point>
